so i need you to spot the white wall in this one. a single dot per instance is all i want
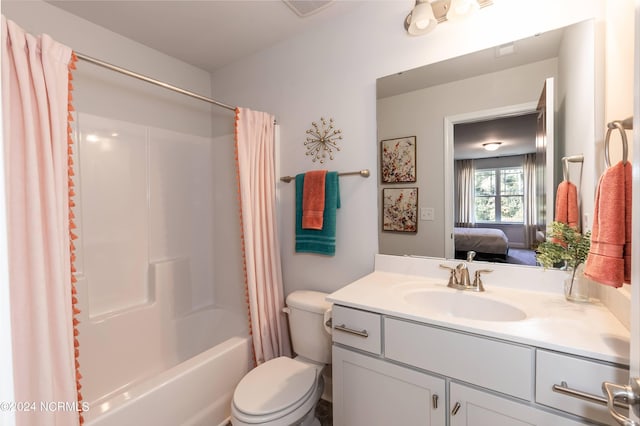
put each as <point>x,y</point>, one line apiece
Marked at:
<point>421,113</point>
<point>578,126</point>
<point>618,66</point>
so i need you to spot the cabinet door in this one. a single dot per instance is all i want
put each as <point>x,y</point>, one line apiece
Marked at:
<point>368,391</point>
<point>472,407</point>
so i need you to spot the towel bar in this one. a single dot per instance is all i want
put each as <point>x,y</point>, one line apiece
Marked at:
<point>364,173</point>
<point>565,164</point>
<point>621,125</point>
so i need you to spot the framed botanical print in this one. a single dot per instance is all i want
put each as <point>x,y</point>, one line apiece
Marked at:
<point>398,160</point>
<point>400,209</point>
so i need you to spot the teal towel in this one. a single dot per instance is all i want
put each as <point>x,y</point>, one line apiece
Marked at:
<point>320,241</point>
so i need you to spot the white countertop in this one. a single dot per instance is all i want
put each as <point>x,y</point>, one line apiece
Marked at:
<point>584,329</point>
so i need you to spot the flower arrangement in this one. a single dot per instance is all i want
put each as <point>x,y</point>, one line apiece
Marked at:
<point>565,247</point>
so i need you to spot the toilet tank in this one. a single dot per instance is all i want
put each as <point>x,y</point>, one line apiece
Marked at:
<point>309,336</point>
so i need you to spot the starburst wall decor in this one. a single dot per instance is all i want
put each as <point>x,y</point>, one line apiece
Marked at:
<point>322,140</point>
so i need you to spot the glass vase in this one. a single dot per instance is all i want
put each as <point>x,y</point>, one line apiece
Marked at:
<point>576,286</point>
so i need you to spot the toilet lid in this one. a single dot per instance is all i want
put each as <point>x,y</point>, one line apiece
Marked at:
<point>274,386</point>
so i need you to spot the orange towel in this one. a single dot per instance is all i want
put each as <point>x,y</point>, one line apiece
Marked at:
<point>313,199</point>
<point>611,234</point>
<point>626,251</point>
<point>567,204</point>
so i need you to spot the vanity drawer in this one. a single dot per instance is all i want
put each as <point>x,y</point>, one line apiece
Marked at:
<point>493,364</point>
<point>358,329</point>
<point>579,374</point>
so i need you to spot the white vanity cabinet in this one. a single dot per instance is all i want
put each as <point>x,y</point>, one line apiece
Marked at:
<point>369,391</point>
<point>389,370</point>
<point>473,407</point>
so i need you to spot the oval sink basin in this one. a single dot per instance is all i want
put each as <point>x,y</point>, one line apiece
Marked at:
<point>464,305</point>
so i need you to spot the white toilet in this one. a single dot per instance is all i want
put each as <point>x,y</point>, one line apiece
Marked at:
<point>285,391</point>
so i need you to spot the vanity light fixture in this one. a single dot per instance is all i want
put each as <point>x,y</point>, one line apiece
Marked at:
<point>426,14</point>
<point>491,146</point>
<point>460,9</point>
<point>421,20</point>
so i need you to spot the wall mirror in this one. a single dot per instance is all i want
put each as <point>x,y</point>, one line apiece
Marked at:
<point>532,97</point>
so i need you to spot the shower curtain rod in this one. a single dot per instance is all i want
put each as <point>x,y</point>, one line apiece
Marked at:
<point>151,80</point>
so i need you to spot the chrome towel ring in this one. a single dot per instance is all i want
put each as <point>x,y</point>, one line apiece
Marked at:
<point>621,125</point>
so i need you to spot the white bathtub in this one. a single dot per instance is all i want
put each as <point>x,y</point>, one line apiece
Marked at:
<point>161,363</point>
<point>195,392</point>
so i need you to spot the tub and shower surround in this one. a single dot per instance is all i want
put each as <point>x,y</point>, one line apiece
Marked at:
<point>156,210</point>
<point>147,287</point>
<point>164,367</point>
<point>153,267</point>
<point>154,309</point>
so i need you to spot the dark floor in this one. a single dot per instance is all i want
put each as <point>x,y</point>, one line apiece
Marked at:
<point>324,413</point>
<point>515,256</point>
<point>521,257</point>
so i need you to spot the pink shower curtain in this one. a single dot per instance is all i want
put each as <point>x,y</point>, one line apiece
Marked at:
<point>35,88</point>
<point>263,275</point>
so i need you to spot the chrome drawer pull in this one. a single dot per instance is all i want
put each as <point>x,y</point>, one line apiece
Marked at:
<point>456,408</point>
<point>563,388</point>
<point>434,401</point>
<point>361,333</point>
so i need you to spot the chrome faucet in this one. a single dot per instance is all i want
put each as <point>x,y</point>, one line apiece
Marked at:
<point>470,255</point>
<point>459,277</point>
<point>462,275</point>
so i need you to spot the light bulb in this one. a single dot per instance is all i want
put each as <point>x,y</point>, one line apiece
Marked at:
<point>461,9</point>
<point>422,19</point>
<point>422,24</point>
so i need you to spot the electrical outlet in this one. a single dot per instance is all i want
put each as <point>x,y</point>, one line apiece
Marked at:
<point>427,213</point>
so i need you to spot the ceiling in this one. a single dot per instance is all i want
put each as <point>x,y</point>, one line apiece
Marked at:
<point>208,34</point>
<point>517,135</point>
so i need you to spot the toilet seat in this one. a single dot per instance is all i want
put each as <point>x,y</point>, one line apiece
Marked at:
<point>276,389</point>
